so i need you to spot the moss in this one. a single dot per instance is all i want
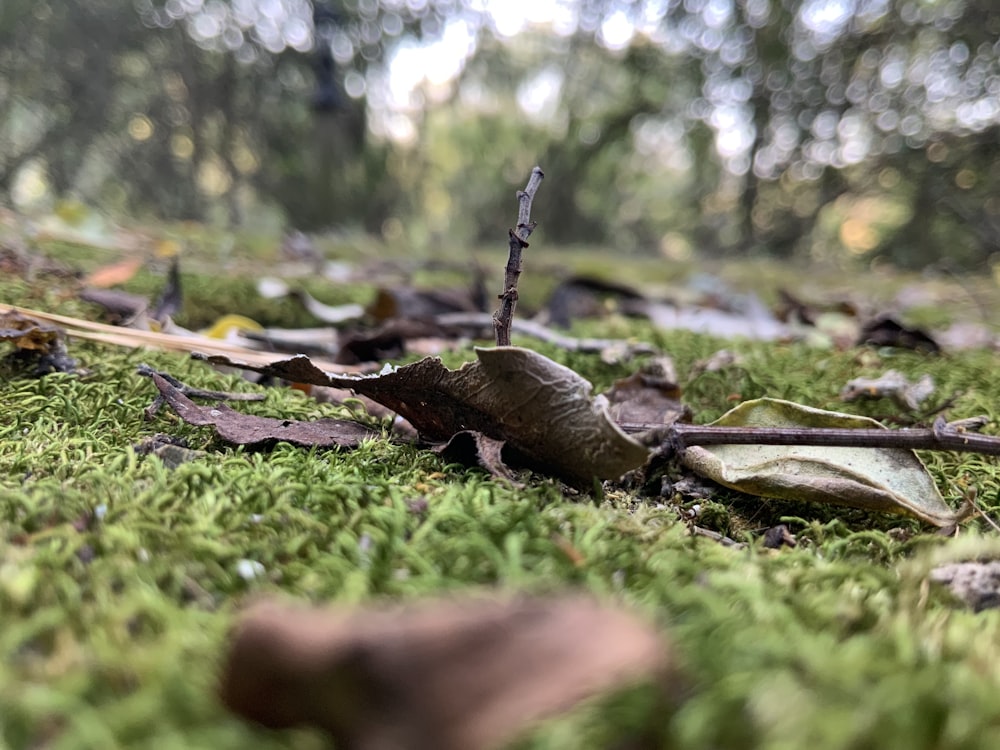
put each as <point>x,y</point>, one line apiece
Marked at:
<point>119,577</point>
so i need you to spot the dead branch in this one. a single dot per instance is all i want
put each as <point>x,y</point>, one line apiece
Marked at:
<point>951,436</point>
<point>504,316</point>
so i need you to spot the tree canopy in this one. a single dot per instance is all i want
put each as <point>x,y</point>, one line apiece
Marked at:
<point>824,128</point>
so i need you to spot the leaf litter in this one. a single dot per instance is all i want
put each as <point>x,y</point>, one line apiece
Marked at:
<point>540,408</point>
<point>260,432</point>
<point>458,674</point>
<point>889,480</point>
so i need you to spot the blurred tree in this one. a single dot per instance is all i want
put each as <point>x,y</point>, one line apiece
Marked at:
<point>808,126</point>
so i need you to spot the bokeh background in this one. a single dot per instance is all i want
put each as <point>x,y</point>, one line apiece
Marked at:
<point>837,130</point>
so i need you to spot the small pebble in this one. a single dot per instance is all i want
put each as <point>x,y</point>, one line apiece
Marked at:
<point>248,570</point>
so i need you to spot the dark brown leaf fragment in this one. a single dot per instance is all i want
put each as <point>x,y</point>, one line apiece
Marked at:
<point>538,407</point>
<point>471,448</point>
<point>261,432</point>
<point>885,331</point>
<point>779,536</point>
<point>444,675</point>
<point>39,345</point>
<point>580,297</point>
<point>648,399</point>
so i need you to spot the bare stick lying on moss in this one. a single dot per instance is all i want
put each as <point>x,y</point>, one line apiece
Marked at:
<point>951,436</point>
<point>504,316</point>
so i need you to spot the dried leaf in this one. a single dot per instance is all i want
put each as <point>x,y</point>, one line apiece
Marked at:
<point>892,384</point>
<point>475,449</point>
<point>394,338</point>
<point>121,306</point>
<point>885,331</point>
<point>445,675</point>
<point>648,399</point>
<point>332,314</point>
<point>37,342</point>
<point>257,432</point>
<point>171,296</point>
<point>27,333</point>
<point>536,406</point>
<point>891,480</point>
<point>587,297</point>
<point>114,274</point>
<point>416,304</point>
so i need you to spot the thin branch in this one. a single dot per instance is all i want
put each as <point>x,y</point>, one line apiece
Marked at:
<point>951,437</point>
<point>504,316</point>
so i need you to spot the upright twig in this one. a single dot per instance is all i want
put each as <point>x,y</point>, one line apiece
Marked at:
<point>504,316</point>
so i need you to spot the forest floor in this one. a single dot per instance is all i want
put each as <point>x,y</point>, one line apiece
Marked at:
<point>121,575</point>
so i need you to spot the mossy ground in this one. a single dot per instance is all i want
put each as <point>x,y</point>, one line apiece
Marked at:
<point>119,577</point>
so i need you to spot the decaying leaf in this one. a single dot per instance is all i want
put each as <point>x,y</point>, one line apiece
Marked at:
<point>332,314</point>
<point>120,306</point>
<point>753,320</point>
<point>444,675</point>
<point>114,274</point>
<point>476,449</point>
<point>891,480</point>
<point>580,297</point>
<point>169,301</point>
<point>648,399</point>
<point>411,303</point>
<point>538,407</point>
<point>25,332</point>
<point>394,338</point>
<point>891,384</point>
<point>38,342</point>
<point>256,432</point>
<point>886,331</point>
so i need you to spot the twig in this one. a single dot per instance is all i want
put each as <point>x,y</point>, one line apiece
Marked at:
<point>191,343</point>
<point>942,436</point>
<point>722,539</point>
<point>504,316</point>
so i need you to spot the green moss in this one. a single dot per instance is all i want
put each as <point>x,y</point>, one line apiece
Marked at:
<point>119,577</point>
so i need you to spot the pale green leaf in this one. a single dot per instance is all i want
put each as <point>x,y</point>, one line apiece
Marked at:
<point>891,480</point>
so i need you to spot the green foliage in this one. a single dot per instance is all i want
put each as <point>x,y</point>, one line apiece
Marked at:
<point>835,132</point>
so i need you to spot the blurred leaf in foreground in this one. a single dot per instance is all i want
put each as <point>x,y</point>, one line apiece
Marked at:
<point>448,675</point>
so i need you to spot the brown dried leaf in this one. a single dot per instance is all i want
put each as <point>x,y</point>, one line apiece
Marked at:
<point>415,304</point>
<point>257,432</point>
<point>38,343</point>
<point>121,306</point>
<point>445,675</point>
<point>27,333</point>
<point>580,297</point>
<point>117,273</point>
<point>475,449</point>
<point>538,407</point>
<point>648,399</point>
